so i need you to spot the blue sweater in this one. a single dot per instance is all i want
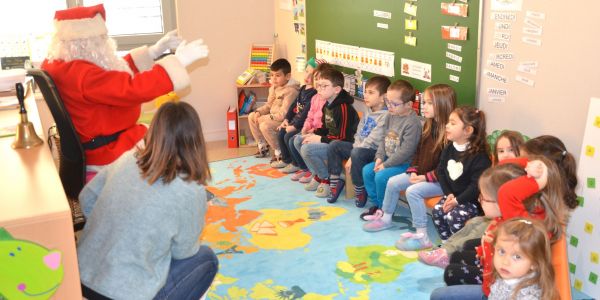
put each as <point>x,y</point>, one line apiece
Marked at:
<point>134,230</point>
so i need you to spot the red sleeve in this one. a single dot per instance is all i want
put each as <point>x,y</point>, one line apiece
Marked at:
<point>511,196</point>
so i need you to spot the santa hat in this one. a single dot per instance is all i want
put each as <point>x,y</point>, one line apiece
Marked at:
<point>80,22</point>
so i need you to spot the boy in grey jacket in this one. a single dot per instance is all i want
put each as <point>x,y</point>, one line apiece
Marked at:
<point>366,140</point>
<point>402,133</point>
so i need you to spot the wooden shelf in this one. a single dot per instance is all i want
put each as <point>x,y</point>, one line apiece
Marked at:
<point>254,85</point>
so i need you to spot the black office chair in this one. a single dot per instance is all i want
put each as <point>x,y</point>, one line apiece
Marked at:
<point>71,155</point>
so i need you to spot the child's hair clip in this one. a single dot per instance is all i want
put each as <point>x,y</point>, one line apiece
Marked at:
<point>564,153</point>
<point>525,221</point>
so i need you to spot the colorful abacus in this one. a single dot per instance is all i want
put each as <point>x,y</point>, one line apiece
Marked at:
<point>261,57</point>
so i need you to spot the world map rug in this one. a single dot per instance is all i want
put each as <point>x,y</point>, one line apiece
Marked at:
<point>277,241</point>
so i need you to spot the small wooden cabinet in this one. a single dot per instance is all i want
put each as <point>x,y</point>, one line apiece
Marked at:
<point>261,91</point>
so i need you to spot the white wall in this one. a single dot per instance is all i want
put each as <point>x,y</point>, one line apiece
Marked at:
<point>567,77</point>
<point>229,28</point>
<point>288,42</point>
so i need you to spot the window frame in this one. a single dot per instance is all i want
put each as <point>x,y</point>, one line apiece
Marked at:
<point>128,42</point>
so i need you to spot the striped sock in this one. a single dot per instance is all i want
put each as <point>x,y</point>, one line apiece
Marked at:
<point>359,189</point>
<point>333,182</point>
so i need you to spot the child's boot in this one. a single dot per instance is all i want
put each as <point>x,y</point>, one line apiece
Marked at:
<point>263,150</point>
<point>361,196</point>
<point>336,185</point>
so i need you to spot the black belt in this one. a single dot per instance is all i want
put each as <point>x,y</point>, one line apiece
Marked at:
<point>100,141</point>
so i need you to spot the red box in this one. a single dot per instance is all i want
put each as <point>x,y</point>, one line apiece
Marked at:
<point>232,132</point>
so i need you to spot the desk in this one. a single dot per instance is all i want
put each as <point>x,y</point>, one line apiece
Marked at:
<point>33,204</point>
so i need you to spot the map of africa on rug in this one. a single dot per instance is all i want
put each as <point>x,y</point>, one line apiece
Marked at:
<point>275,240</point>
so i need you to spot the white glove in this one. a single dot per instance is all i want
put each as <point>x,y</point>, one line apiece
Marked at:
<point>189,53</point>
<point>169,41</point>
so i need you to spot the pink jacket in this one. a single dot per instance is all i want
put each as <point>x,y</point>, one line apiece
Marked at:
<point>313,119</point>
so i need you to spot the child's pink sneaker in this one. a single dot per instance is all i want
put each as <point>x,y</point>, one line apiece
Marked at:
<point>306,178</point>
<point>297,175</point>
<point>438,257</point>
<point>377,225</point>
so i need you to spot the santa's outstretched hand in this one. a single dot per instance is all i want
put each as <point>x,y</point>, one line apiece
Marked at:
<point>187,53</point>
<point>169,41</point>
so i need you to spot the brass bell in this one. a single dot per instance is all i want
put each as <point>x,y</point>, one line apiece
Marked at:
<point>25,136</point>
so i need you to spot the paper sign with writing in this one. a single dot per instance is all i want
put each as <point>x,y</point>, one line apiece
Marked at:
<point>410,9</point>
<point>410,24</point>
<point>453,56</point>
<point>455,33</point>
<point>454,78</point>
<point>455,9</point>
<point>453,67</point>
<point>410,40</point>
<point>525,80</point>
<point>531,41</point>
<point>504,17</point>
<point>455,47</point>
<point>495,76</point>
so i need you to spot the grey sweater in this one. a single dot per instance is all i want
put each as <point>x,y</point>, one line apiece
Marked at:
<point>370,130</point>
<point>134,230</point>
<point>401,138</point>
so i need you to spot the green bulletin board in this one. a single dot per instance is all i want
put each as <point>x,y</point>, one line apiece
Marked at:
<point>352,22</point>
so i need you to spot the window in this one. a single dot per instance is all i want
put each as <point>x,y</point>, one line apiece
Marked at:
<point>26,32</point>
<point>137,22</point>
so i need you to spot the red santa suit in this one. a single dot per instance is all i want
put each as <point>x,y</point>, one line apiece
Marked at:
<point>104,102</point>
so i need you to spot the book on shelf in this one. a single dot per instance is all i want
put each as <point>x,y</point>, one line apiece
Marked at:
<point>241,99</point>
<point>248,103</point>
<point>246,77</point>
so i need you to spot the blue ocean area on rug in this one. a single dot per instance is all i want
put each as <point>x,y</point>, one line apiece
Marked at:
<point>275,240</point>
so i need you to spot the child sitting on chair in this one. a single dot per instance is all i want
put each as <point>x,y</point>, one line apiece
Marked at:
<point>265,119</point>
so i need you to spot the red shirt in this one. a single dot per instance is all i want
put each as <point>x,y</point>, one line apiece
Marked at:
<point>510,201</point>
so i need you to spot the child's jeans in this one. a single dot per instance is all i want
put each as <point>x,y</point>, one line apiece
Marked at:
<point>452,221</point>
<point>459,292</point>
<point>295,144</point>
<point>336,153</point>
<point>375,182</point>
<point>315,157</point>
<point>415,194</point>
<point>360,158</point>
<point>283,137</point>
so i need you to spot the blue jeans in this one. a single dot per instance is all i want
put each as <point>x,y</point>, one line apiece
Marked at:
<point>375,182</point>
<point>191,277</point>
<point>336,153</point>
<point>415,194</point>
<point>295,144</point>
<point>360,158</point>
<point>458,292</point>
<point>315,157</point>
<point>283,138</point>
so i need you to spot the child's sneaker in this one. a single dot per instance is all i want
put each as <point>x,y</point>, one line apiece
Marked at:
<point>278,163</point>
<point>336,191</point>
<point>367,215</point>
<point>262,152</point>
<point>377,225</point>
<point>323,190</point>
<point>299,174</point>
<point>306,178</point>
<point>312,185</point>
<point>413,242</point>
<point>438,257</point>
<point>361,197</point>
<point>290,168</point>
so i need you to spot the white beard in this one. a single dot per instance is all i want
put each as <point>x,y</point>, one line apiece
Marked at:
<point>100,50</point>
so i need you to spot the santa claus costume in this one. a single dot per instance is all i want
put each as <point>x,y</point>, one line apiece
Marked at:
<point>103,93</point>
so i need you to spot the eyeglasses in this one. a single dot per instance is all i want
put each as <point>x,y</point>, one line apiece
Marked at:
<point>322,86</point>
<point>394,105</point>
<point>481,200</point>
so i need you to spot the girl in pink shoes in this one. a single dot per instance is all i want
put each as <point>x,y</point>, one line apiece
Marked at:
<point>420,181</point>
<point>507,146</point>
<point>461,164</point>
<point>522,262</point>
<point>312,122</point>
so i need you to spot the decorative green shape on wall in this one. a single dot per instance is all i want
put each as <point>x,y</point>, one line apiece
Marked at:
<point>28,270</point>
